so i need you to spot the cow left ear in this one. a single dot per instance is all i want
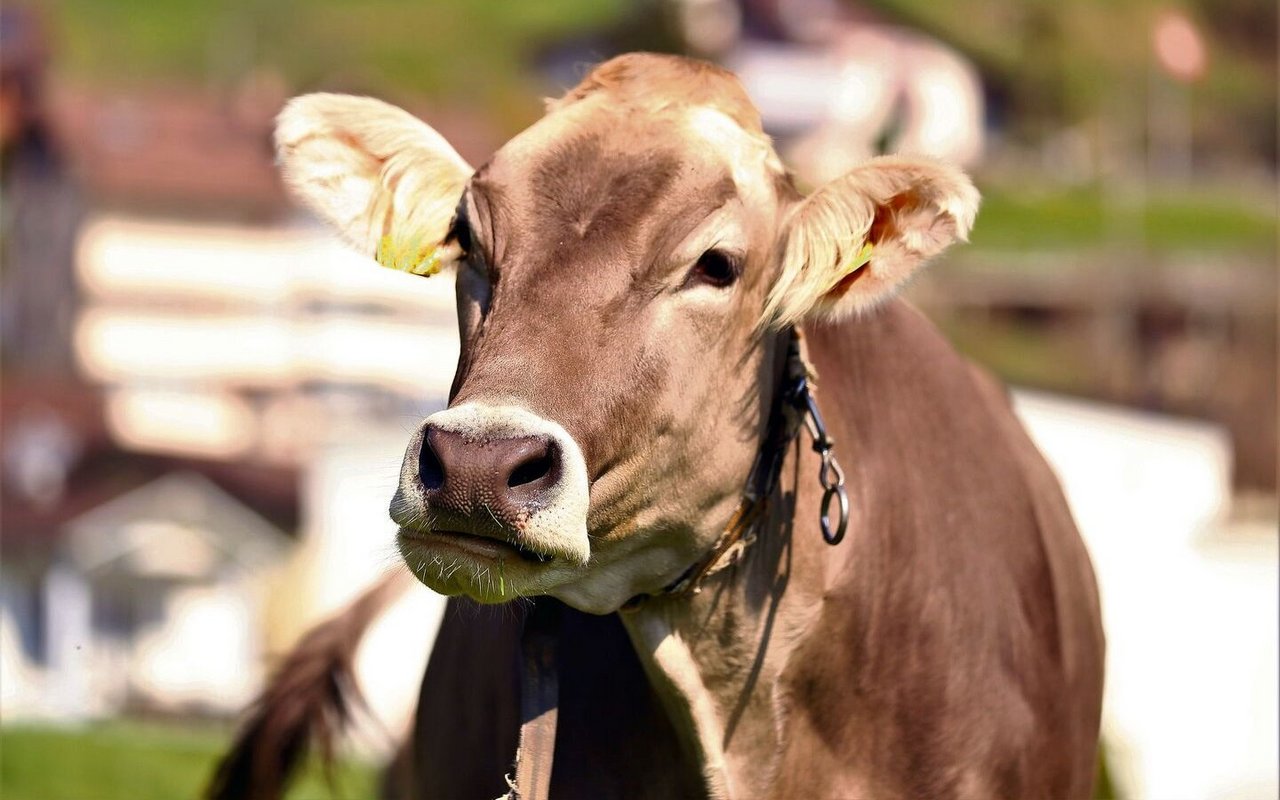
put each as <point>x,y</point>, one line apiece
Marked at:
<point>383,179</point>
<point>854,242</point>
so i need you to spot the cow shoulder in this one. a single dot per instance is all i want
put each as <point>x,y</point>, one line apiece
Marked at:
<point>944,640</point>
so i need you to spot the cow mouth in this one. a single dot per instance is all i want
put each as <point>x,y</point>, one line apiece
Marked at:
<point>488,547</point>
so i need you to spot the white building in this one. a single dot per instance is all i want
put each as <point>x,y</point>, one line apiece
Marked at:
<point>152,601</point>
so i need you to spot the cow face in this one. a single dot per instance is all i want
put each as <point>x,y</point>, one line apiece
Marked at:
<point>623,267</point>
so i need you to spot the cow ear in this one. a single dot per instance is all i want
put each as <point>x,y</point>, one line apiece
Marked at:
<point>854,242</point>
<point>385,180</point>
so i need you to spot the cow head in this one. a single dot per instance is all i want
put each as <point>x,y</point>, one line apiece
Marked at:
<point>623,269</point>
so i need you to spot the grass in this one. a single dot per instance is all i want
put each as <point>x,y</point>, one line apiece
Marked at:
<point>459,47</point>
<point>1021,219</point>
<point>133,761</point>
<point>1025,355</point>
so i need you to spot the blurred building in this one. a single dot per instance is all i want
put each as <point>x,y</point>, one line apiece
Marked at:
<point>1188,583</point>
<point>835,82</point>
<point>1188,334</point>
<point>40,209</point>
<point>180,358</point>
<point>152,604</point>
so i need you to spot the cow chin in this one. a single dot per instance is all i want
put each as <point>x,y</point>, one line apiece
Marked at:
<point>450,569</point>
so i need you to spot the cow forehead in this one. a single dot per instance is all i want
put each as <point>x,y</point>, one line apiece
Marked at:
<point>750,157</point>
<point>677,148</point>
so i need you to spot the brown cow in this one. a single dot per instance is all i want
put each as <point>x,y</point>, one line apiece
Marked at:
<point>627,271</point>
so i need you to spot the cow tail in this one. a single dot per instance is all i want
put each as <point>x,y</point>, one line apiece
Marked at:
<point>307,702</point>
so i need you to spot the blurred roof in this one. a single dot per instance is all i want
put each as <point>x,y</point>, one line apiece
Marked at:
<point>181,525</point>
<point>185,152</point>
<point>100,471</point>
<point>153,149</point>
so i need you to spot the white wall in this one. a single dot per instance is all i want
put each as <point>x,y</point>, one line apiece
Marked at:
<point>204,652</point>
<point>348,542</point>
<point>68,608</point>
<point>21,679</point>
<point>1189,603</point>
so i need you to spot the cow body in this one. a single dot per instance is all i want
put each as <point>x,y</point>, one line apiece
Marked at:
<point>629,272</point>
<point>950,647</point>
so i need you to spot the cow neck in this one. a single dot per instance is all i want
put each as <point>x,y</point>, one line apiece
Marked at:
<point>718,659</point>
<point>710,655</point>
<point>739,533</point>
<point>793,406</point>
<point>655,628</point>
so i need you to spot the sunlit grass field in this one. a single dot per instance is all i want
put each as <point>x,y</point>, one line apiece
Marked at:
<point>132,761</point>
<point>1044,217</point>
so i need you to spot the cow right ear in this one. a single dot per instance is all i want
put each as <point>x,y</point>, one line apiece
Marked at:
<point>856,241</point>
<point>385,180</point>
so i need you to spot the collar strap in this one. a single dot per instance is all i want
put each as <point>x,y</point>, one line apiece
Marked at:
<point>793,407</point>
<point>539,702</point>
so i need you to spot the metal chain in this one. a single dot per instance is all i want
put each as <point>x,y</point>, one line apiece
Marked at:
<point>830,475</point>
<point>832,478</point>
<point>797,405</point>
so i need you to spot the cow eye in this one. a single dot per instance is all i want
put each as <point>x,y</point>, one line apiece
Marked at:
<point>716,267</point>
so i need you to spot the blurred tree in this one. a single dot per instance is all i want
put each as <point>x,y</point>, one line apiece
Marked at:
<point>1051,64</point>
<point>477,50</point>
<point>1064,63</point>
<point>40,210</point>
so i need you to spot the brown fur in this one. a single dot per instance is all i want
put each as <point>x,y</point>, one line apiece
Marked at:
<point>951,646</point>
<point>656,82</point>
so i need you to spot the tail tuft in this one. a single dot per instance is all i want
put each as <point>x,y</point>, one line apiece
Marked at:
<point>307,702</point>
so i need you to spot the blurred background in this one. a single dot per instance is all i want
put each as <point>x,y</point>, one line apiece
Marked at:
<point>204,397</point>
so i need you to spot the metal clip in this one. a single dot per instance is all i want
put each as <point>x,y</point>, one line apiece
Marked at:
<point>831,476</point>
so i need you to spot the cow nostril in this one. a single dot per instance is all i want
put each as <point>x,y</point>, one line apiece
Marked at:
<point>532,469</point>
<point>430,470</point>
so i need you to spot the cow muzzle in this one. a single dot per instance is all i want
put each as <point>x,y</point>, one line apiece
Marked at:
<point>495,487</point>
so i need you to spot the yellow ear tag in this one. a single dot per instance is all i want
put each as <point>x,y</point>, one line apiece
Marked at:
<point>414,261</point>
<point>860,261</point>
<point>864,256</point>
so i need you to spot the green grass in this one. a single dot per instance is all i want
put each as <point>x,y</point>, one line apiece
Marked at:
<point>1023,219</point>
<point>130,761</point>
<point>470,54</point>
<point>1025,356</point>
<point>463,48</point>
